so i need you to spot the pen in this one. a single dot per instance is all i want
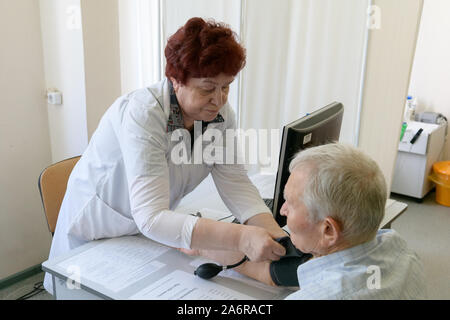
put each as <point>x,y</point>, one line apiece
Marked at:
<point>197,214</point>
<point>416,136</point>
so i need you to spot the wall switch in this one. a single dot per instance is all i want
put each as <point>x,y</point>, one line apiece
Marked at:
<point>54,97</point>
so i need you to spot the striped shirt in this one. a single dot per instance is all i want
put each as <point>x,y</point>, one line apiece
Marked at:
<point>383,268</point>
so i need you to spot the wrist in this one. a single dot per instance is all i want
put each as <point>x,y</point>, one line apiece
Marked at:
<point>240,268</point>
<point>243,242</point>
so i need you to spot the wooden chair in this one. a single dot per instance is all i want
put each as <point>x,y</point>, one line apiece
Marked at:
<point>52,185</point>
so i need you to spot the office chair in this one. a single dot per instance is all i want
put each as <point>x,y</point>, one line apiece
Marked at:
<point>52,185</point>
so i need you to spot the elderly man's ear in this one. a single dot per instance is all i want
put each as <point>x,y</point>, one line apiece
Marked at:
<point>331,233</point>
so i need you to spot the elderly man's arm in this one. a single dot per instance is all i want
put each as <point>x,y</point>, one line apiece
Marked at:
<point>256,270</point>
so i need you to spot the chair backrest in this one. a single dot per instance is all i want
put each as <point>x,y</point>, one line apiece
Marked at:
<point>52,186</point>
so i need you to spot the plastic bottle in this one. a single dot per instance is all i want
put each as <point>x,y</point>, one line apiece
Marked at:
<point>413,109</point>
<point>404,126</point>
<point>408,109</point>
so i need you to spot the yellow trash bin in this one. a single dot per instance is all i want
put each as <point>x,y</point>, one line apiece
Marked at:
<point>441,176</point>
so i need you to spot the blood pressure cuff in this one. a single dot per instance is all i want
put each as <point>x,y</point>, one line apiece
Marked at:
<point>284,271</point>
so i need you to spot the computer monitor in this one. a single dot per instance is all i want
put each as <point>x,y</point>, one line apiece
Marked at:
<point>320,127</point>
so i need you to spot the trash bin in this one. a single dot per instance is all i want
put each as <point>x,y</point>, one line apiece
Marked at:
<point>441,176</point>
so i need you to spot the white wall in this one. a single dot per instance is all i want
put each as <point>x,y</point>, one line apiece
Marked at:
<point>430,78</point>
<point>389,60</point>
<point>64,69</point>
<point>85,67</point>
<point>81,54</point>
<point>82,60</point>
<point>24,138</point>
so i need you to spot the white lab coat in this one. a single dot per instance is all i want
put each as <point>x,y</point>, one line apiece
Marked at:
<point>126,183</point>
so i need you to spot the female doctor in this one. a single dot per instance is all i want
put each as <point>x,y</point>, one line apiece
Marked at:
<point>127,181</point>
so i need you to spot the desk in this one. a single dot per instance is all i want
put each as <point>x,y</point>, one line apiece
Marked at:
<point>141,269</point>
<point>150,266</point>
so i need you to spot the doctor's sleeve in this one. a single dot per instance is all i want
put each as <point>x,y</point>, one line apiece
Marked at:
<point>234,186</point>
<point>143,144</point>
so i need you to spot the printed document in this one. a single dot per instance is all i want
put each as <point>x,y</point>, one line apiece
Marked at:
<point>180,285</point>
<point>117,263</point>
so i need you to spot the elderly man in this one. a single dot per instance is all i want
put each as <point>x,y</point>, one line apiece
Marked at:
<point>334,203</point>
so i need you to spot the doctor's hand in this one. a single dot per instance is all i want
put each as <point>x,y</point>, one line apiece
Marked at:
<point>258,244</point>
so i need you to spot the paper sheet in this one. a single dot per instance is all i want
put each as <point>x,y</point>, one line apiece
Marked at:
<point>389,202</point>
<point>117,263</point>
<point>180,285</point>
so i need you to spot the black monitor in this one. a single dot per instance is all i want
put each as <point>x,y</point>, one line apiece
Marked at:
<point>320,127</point>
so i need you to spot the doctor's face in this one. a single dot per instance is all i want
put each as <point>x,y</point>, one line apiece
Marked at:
<point>305,235</point>
<point>201,99</point>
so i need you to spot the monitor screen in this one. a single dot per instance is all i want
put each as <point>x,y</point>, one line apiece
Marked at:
<point>320,127</point>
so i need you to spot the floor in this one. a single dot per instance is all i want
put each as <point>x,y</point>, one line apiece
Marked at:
<point>24,287</point>
<point>425,226</point>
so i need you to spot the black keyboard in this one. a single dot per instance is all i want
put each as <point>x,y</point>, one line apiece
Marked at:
<point>269,203</point>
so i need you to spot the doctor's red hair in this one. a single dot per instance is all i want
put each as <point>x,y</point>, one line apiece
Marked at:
<point>203,49</point>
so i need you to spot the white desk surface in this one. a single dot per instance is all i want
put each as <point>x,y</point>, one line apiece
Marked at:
<point>177,261</point>
<point>168,263</point>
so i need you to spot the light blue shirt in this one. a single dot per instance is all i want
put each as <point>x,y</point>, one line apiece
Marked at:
<point>383,268</point>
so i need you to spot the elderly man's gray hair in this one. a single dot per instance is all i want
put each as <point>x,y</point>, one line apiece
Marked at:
<point>345,184</point>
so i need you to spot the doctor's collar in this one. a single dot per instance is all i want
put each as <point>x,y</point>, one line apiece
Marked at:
<point>176,116</point>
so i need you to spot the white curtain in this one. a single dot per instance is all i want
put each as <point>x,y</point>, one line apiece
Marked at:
<point>301,54</point>
<point>140,37</point>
